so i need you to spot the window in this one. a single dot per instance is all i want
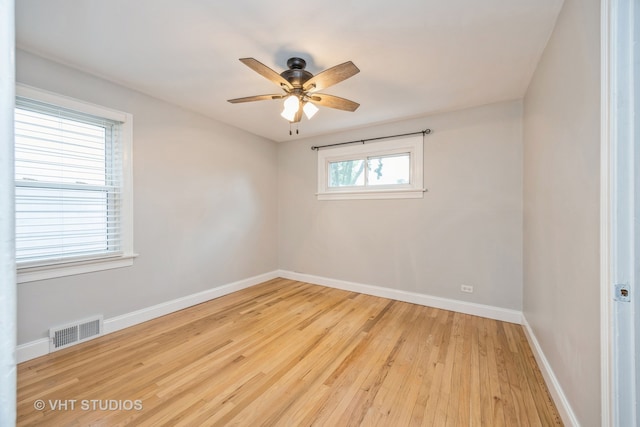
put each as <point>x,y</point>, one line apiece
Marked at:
<point>386,169</point>
<point>73,186</point>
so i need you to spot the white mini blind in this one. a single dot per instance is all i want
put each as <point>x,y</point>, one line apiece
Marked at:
<point>68,175</point>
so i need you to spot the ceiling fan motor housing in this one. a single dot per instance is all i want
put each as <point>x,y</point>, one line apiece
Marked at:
<point>296,74</point>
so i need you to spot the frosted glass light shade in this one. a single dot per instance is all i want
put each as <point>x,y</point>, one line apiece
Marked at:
<point>309,110</point>
<point>291,106</point>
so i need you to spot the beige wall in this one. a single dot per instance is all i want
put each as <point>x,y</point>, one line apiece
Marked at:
<point>204,207</point>
<point>466,230</point>
<point>561,205</point>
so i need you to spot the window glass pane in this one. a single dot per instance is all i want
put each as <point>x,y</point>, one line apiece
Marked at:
<point>55,149</point>
<point>388,170</point>
<point>348,173</point>
<point>56,223</point>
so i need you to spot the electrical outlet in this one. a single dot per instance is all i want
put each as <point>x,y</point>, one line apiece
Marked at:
<point>466,288</point>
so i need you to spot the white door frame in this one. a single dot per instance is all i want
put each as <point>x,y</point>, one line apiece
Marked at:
<point>618,232</point>
<point>7,214</point>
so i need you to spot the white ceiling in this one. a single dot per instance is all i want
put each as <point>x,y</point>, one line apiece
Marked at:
<point>415,56</point>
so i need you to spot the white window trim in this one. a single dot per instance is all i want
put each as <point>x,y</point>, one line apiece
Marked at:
<point>414,190</point>
<point>29,272</point>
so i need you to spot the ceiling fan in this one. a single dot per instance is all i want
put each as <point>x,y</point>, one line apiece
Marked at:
<point>300,87</point>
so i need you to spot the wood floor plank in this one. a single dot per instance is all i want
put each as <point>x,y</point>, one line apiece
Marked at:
<point>463,378</point>
<point>512,383</point>
<point>475,376</point>
<point>497,402</point>
<point>286,353</point>
<point>446,401</point>
<point>426,365</point>
<point>440,350</point>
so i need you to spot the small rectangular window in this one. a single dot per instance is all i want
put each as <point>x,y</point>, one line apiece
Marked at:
<point>385,169</point>
<point>72,183</point>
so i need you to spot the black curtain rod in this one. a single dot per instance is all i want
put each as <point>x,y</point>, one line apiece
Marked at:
<point>362,141</point>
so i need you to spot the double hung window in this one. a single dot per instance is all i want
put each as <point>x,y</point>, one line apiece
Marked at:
<point>72,186</point>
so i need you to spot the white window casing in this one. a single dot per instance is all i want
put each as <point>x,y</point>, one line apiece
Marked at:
<point>74,189</point>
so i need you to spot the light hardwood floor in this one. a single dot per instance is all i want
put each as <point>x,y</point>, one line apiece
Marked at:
<point>294,354</point>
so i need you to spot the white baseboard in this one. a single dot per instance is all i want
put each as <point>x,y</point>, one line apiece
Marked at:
<point>40,347</point>
<point>491,312</point>
<point>129,319</point>
<point>32,349</point>
<point>560,399</point>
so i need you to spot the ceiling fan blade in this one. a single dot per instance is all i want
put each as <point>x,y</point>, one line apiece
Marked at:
<point>333,102</point>
<point>331,76</point>
<point>266,72</point>
<point>255,98</point>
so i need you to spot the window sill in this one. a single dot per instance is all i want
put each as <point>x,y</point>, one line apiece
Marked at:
<point>42,272</point>
<point>369,195</point>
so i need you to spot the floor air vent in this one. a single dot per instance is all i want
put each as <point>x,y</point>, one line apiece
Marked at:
<point>74,333</point>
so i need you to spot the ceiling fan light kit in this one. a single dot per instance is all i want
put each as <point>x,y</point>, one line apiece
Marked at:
<point>300,87</point>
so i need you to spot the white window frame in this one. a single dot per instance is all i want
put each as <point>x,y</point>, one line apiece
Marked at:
<point>32,271</point>
<point>413,145</point>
